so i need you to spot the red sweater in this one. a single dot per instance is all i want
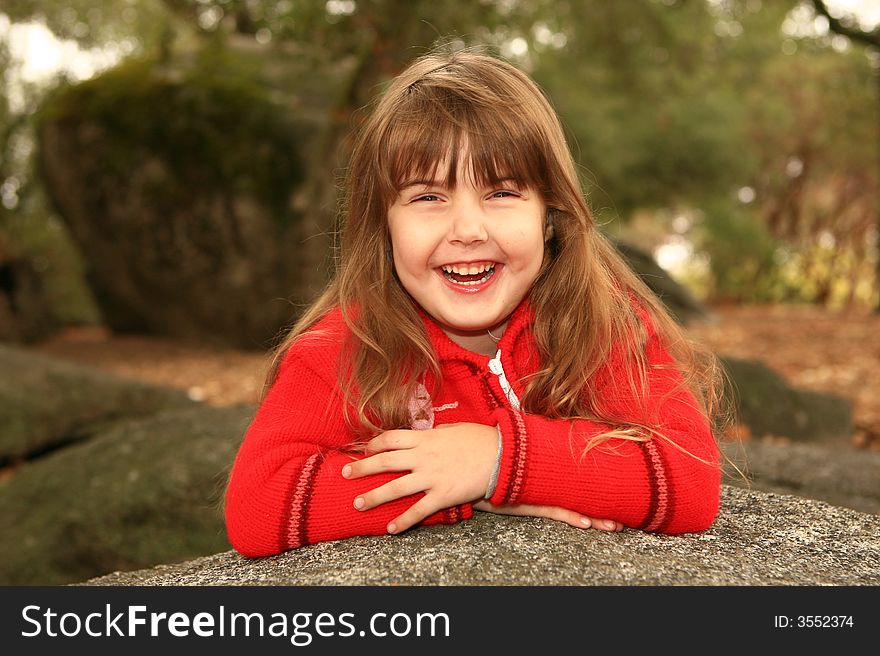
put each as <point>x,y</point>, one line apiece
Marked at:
<point>286,488</point>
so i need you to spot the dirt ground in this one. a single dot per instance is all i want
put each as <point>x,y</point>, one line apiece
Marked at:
<point>811,347</point>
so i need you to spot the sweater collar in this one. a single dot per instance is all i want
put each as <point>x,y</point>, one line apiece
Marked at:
<point>518,324</point>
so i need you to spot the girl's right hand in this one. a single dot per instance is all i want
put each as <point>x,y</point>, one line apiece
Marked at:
<point>550,512</point>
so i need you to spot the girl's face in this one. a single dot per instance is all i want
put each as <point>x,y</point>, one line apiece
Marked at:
<point>470,254</point>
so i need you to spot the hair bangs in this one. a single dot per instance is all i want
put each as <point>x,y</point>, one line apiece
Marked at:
<point>432,128</point>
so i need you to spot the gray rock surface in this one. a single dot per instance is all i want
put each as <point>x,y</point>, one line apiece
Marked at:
<point>46,403</point>
<point>758,539</point>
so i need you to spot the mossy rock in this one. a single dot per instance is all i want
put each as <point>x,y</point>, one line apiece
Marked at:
<point>177,182</point>
<point>140,493</point>
<point>46,403</point>
<point>768,405</point>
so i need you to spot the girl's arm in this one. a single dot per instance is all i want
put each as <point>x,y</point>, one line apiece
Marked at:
<point>286,488</point>
<point>666,486</point>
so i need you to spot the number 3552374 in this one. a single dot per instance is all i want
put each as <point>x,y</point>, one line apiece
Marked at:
<point>813,621</point>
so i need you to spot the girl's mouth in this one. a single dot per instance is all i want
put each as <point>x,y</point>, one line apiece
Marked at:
<point>468,275</point>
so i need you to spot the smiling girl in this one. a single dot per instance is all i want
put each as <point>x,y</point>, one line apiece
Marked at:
<point>481,346</point>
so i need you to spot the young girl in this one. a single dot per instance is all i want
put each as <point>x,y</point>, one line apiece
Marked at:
<point>481,347</point>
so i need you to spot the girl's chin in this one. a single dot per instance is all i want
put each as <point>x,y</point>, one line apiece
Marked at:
<point>471,329</point>
<point>465,331</point>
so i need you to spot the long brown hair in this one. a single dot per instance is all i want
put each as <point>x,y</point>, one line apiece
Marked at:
<point>583,293</point>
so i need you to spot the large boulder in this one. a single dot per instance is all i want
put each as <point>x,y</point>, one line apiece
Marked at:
<point>758,539</point>
<point>768,405</point>
<point>177,182</point>
<point>138,493</point>
<point>47,403</point>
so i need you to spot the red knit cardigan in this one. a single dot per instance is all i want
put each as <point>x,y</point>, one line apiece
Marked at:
<point>286,488</point>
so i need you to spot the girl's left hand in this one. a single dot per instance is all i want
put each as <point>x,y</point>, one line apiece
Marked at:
<point>451,464</point>
<point>551,512</point>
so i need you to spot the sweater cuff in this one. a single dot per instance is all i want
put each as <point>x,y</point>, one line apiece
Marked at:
<point>451,515</point>
<point>511,468</point>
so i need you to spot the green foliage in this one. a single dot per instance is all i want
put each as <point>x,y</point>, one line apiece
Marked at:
<point>744,264</point>
<point>212,125</point>
<point>647,116</point>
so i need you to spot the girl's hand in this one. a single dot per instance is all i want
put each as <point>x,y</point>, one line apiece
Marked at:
<point>451,464</point>
<point>551,512</point>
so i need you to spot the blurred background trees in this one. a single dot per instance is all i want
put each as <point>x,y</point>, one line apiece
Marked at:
<point>172,166</point>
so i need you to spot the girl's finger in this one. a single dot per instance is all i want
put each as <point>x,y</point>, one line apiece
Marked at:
<point>387,461</point>
<point>392,440</point>
<point>566,516</point>
<point>421,509</point>
<point>552,512</point>
<point>604,524</point>
<point>582,521</point>
<point>392,490</point>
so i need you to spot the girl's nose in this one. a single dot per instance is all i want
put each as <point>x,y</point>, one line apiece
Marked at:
<point>468,225</point>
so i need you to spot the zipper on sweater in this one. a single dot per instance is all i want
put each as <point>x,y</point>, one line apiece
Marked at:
<point>496,368</point>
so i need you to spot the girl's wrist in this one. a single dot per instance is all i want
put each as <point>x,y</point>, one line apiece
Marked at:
<point>493,479</point>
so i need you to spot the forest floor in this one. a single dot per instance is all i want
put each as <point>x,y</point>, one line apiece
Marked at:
<point>813,348</point>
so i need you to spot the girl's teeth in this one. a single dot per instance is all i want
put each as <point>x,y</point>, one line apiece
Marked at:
<point>467,270</point>
<point>470,271</point>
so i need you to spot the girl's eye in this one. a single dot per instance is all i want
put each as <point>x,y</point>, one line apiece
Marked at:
<point>503,193</point>
<point>427,197</point>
